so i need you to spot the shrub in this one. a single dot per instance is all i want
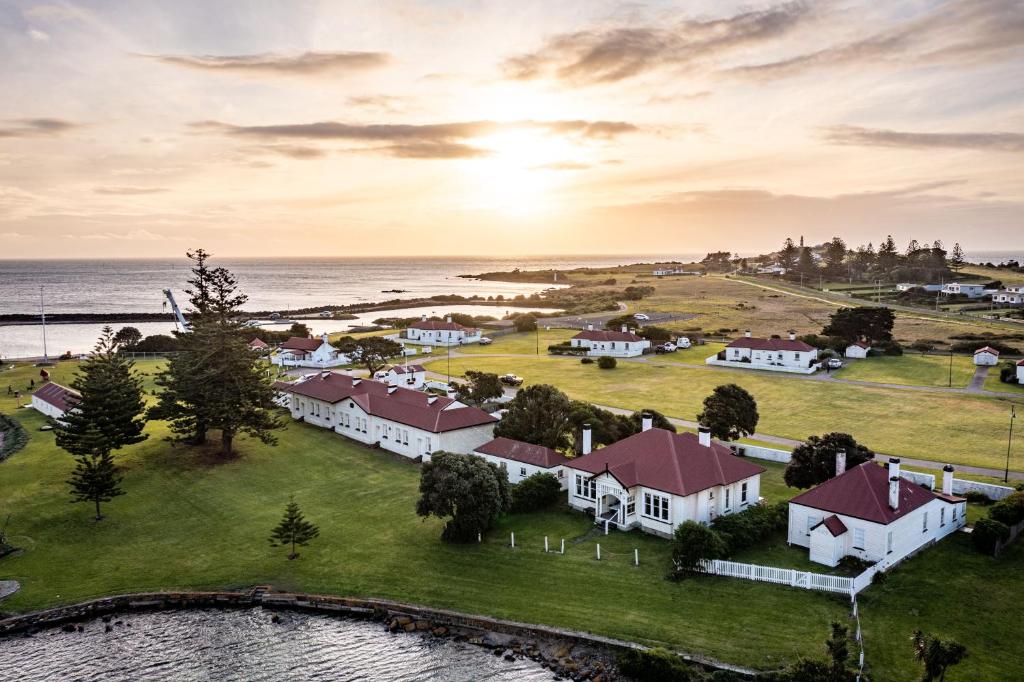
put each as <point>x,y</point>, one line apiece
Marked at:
<point>525,323</point>
<point>987,533</point>
<point>605,362</point>
<point>694,542</point>
<point>977,497</point>
<point>879,578</point>
<point>854,564</point>
<point>13,436</point>
<point>1009,510</point>
<point>739,531</point>
<point>890,348</point>
<point>656,665</point>
<point>586,361</point>
<point>535,492</point>
<point>566,348</point>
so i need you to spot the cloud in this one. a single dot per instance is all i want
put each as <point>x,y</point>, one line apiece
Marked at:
<point>29,127</point>
<point>38,36</point>
<point>129,191</point>
<point>428,141</point>
<point>564,165</point>
<point>304,64</point>
<point>130,235</point>
<point>614,54</point>
<point>389,103</point>
<point>878,137</point>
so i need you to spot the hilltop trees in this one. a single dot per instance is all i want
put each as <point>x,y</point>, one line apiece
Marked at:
<point>108,417</point>
<point>814,462</point>
<point>835,255</point>
<point>870,324</point>
<point>919,261</point>
<point>539,414</point>
<point>293,530</point>
<point>730,412</point>
<point>956,258</point>
<point>467,491</point>
<point>788,255</point>
<point>127,337</point>
<point>372,352</point>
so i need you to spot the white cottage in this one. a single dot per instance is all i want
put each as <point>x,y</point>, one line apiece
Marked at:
<point>407,422</point>
<point>437,333</point>
<point>1010,296</point>
<point>986,356</point>
<point>521,460</point>
<point>621,344</point>
<point>860,350</point>
<point>968,290</point>
<point>775,355</point>
<point>873,513</point>
<point>656,480</point>
<point>54,400</point>
<point>407,376</point>
<point>316,353</point>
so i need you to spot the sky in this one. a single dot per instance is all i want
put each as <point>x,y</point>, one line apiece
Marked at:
<point>134,129</point>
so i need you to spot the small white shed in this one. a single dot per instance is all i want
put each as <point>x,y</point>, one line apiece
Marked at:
<point>858,350</point>
<point>986,356</point>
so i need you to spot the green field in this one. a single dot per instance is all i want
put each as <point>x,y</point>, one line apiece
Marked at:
<point>893,421</point>
<point>525,343</point>
<point>992,383</point>
<point>911,370</point>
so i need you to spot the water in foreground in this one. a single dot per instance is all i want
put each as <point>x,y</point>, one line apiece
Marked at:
<point>246,645</point>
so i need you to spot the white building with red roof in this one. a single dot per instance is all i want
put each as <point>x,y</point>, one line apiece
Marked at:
<point>54,400</point>
<point>873,513</point>
<point>774,355</point>
<point>407,376</point>
<point>438,333</point>
<point>620,344</point>
<point>858,349</point>
<point>521,460</point>
<point>317,353</point>
<point>401,420</point>
<point>1020,372</point>
<point>986,356</point>
<point>656,479</point>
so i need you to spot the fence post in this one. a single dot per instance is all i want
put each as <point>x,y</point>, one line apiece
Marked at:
<point>563,545</point>
<point>545,544</point>
<point>513,540</point>
<point>598,552</point>
<point>636,557</point>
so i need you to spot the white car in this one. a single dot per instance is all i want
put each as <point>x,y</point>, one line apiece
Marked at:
<point>683,342</point>
<point>641,316</point>
<point>667,347</point>
<point>834,363</point>
<point>484,341</point>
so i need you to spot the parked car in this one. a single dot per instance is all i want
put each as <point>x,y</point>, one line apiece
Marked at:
<point>683,342</point>
<point>484,341</point>
<point>511,380</point>
<point>834,363</point>
<point>667,347</point>
<point>641,316</point>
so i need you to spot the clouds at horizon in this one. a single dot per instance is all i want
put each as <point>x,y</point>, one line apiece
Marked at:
<point>276,64</point>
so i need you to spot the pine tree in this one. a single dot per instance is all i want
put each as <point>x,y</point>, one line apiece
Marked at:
<point>956,258</point>
<point>788,254</point>
<point>805,265</point>
<point>294,529</point>
<point>95,479</point>
<point>888,256</point>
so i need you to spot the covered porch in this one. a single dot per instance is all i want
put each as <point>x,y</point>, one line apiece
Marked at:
<point>615,508</point>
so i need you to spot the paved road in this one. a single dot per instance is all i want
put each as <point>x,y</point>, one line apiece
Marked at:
<point>978,380</point>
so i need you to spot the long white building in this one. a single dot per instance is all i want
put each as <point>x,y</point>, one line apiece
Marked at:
<point>54,400</point>
<point>437,333</point>
<point>521,460</point>
<point>775,355</point>
<point>621,344</point>
<point>315,353</point>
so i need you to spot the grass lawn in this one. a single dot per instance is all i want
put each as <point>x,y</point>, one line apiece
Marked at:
<point>973,429</point>
<point>524,343</point>
<point>992,383</point>
<point>910,370</point>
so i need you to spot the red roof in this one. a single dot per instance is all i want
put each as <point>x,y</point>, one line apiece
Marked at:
<point>258,343</point>
<point>987,349</point>
<point>299,343</point>
<point>407,369</point>
<point>861,344</point>
<point>596,335</point>
<point>671,462</point>
<point>528,453</point>
<point>771,344</point>
<point>61,397</point>
<point>405,406</point>
<point>834,525</point>
<point>863,492</point>
<point>1020,363</point>
<point>427,325</point>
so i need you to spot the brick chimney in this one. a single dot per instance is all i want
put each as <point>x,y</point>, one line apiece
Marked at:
<point>840,462</point>
<point>947,479</point>
<point>894,482</point>
<point>704,436</point>
<point>587,439</point>
<point>646,421</point>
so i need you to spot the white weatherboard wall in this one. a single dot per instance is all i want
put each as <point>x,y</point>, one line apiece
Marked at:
<point>46,408</point>
<point>517,471</point>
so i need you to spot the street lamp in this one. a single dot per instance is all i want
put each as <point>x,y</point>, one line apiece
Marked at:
<point>1009,442</point>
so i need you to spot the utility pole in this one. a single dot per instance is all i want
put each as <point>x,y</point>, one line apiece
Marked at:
<point>951,369</point>
<point>1009,443</point>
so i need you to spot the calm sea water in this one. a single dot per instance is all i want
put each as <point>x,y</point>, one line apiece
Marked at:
<point>245,645</point>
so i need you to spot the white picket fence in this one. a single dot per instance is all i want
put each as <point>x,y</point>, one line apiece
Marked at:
<point>786,576</point>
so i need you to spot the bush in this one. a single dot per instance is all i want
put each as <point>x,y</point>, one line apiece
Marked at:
<point>889,348</point>
<point>854,564</point>
<point>586,361</point>
<point>656,665</point>
<point>977,497</point>
<point>525,323</point>
<point>566,348</point>
<point>987,533</point>
<point>538,491</point>
<point>605,362</point>
<point>1009,510</point>
<point>13,436</point>
<point>739,531</point>
<point>694,542</point>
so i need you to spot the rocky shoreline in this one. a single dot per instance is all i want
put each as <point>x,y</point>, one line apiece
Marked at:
<point>569,654</point>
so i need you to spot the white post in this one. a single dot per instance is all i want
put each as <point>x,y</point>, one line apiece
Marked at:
<point>479,537</point>
<point>563,545</point>
<point>599,552</point>
<point>545,544</point>
<point>513,540</point>
<point>636,557</point>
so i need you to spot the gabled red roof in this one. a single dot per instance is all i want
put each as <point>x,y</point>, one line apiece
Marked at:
<point>598,335</point>
<point>405,406</point>
<point>518,451</point>
<point>834,525</point>
<point>771,344</point>
<point>987,349</point>
<point>429,325</point>
<point>1020,363</point>
<point>299,343</point>
<point>61,397</point>
<point>258,343</point>
<point>407,369</point>
<point>861,344</point>
<point>863,492</point>
<point>671,462</point>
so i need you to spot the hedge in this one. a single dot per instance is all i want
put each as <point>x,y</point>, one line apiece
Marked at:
<point>15,436</point>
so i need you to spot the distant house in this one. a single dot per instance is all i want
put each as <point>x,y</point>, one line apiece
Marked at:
<point>259,345</point>
<point>986,356</point>
<point>316,353</point>
<point>407,422</point>
<point>408,376</point>
<point>968,290</point>
<point>873,514</point>
<point>907,286</point>
<point>859,349</point>
<point>776,355</point>
<point>521,460</point>
<point>773,269</point>
<point>655,480</point>
<point>673,272</point>
<point>1020,372</point>
<point>54,400</point>
<point>621,344</point>
<point>1010,296</point>
<point>437,333</point>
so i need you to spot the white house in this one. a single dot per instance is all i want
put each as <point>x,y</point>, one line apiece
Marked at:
<point>968,290</point>
<point>670,272</point>
<point>655,480</point>
<point>408,376</point>
<point>776,355</point>
<point>859,349</point>
<point>907,286</point>
<point>317,353</point>
<point>622,344</point>
<point>874,514</point>
<point>1020,372</point>
<point>773,269</point>
<point>986,356</point>
<point>259,345</point>
<point>400,420</point>
<point>54,400</point>
<point>436,333</point>
<point>521,460</point>
<point>1010,296</point>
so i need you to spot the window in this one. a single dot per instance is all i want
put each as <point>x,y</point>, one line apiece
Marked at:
<point>405,438</point>
<point>656,506</point>
<point>796,356</point>
<point>429,448</point>
<point>942,516</point>
<point>522,471</point>
<point>743,494</point>
<point>728,499</point>
<point>387,430</point>
<point>888,543</point>
<point>586,487</point>
<point>858,538</point>
<point>631,506</point>
<point>561,473</point>
<point>924,522</point>
<point>954,513</point>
